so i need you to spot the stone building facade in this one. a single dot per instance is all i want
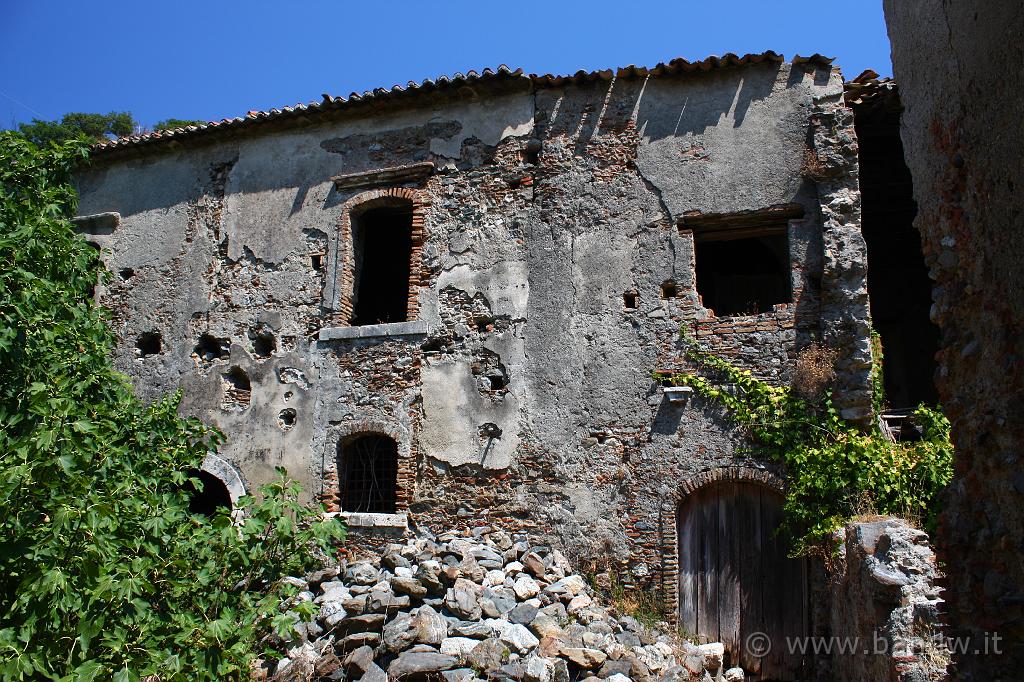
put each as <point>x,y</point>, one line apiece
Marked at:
<point>446,304</point>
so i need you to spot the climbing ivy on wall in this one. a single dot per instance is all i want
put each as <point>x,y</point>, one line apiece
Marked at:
<point>834,469</point>
<point>104,573</point>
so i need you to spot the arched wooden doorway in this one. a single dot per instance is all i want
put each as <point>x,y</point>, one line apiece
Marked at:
<point>736,582</point>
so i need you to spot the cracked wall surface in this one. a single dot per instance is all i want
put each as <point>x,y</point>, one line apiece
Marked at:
<point>523,392</point>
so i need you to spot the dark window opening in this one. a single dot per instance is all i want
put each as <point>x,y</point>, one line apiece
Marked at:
<point>263,344</point>
<point>317,261</point>
<point>368,468</point>
<point>210,348</point>
<point>668,289</point>
<point>743,276</point>
<point>382,240</point>
<point>127,273</point>
<point>899,289</point>
<point>629,299</point>
<point>211,496</point>
<point>237,390</point>
<point>149,343</point>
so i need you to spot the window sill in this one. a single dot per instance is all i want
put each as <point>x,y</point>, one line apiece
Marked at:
<point>375,331</point>
<point>368,520</point>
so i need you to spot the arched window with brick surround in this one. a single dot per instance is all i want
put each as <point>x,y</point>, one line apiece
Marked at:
<point>368,473</point>
<point>381,234</point>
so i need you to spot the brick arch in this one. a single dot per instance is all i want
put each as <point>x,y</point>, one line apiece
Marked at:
<point>342,302</point>
<point>331,495</point>
<point>734,474</point>
<point>669,532</point>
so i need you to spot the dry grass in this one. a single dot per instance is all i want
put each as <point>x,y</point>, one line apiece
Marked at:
<point>814,371</point>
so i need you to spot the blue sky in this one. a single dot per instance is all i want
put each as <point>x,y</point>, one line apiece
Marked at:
<point>216,59</point>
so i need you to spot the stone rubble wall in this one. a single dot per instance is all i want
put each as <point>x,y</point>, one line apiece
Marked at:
<point>885,598</point>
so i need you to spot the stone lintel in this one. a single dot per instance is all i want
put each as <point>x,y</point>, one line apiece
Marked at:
<point>370,520</point>
<point>97,223</point>
<point>394,175</point>
<point>375,331</point>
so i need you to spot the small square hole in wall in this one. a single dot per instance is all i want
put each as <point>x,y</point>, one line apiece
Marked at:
<point>630,300</point>
<point>148,343</point>
<point>668,289</point>
<point>316,260</point>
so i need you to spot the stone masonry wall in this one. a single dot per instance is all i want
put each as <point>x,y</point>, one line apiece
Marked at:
<point>963,139</point>
<point>547,205</point>
<point>886,605</point>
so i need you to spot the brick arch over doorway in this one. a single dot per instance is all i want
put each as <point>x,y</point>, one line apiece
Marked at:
<point>406,469</point>
<point>342,293</point>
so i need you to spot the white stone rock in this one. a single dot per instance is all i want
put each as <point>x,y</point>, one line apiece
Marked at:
<point>735,675</point>
<point>519,639</point>
<point>573,584</point>
<point>494,578</point>
<point>513,567</point>
<point>525,587</point>
<point>497,625</point>
<point>578,603</point>
<point>458,646</point>
<point>403,572</point>
<point>714,654</point>
<point>538,669</point>
<point>618,677</point>
<point>332,613</point>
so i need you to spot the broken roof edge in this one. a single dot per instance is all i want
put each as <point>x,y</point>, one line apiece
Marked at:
<point>503,74</point>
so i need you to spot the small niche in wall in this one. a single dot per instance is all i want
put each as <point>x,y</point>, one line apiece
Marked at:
<point>263,343</point>
<point>316,261</point>
<point>210,348</point>
<point>237,390</point>
<point>630,300</point>
<point>286,419</point>
<point>126,273</point>
<point>148,343</point>
<point>668,289</point>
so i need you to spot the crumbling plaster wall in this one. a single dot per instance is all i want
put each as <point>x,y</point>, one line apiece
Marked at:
<point>962,137</point>
<point>526,262</point>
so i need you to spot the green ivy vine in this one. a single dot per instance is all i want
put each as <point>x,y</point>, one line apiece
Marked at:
<point>834,469</point>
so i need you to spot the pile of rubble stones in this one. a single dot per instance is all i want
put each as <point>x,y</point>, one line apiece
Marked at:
<point>467,609</point>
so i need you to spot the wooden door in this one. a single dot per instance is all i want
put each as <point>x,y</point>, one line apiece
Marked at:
<point>735,580</point>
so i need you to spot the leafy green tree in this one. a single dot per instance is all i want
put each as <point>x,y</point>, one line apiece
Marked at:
<point>104,574</point>
<point>91,127</point>
<point>172,123</point>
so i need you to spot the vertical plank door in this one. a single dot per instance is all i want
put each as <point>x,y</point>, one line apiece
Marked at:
<point>736,580</point>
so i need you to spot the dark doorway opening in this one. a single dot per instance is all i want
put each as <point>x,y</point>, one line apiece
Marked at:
<point>382,246</point>
<point>898,284</point>
<point>212,497</point>
<point>368,468</point>
<point>743,276</point>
